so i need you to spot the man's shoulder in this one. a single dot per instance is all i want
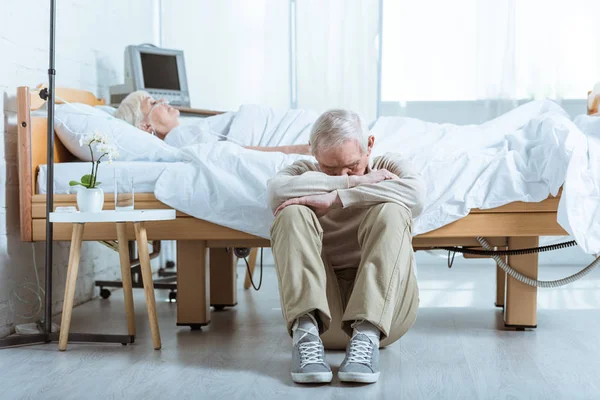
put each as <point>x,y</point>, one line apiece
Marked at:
<point>299,167</point>
<point>394,162</point>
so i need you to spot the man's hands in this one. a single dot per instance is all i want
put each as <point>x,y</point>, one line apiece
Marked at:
<point>372,177</point>
<point>319,203</point>
<point>322,203</point>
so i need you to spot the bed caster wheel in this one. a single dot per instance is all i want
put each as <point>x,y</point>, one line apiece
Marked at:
<point>172,297</point>
<point>104,293</point>
<point>219,308</point>
<point>196,327</point>
<point>170,265</point>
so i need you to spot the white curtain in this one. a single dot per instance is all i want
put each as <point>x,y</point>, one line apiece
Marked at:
<point>236,51</point>
<point>498,51</point>
<point>558,48</point>
<point>337,55</point>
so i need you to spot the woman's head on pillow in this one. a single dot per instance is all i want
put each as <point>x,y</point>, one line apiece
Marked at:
<point>148,114</point>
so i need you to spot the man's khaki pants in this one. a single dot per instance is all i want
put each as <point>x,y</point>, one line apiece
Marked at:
<point>382,290</point>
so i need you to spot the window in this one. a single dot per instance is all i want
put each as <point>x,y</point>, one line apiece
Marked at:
<point>467,50</point>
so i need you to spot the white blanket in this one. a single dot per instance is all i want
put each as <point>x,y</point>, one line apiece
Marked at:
<point>526,155</point>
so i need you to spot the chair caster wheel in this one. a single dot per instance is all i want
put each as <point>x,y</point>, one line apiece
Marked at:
<point>219,308</point>
<point>172,297</point>
<point>196,327</point>
<point>104,293</point>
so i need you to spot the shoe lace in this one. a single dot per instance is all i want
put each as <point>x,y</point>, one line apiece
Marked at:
<point>360,352</point>
<point>311,353</point>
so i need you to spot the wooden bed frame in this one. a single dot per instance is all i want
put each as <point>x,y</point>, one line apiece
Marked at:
<point>516,225</point>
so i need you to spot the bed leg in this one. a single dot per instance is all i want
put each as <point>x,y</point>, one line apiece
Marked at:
<point>521,300</point>
<point>500,286</point>
<point>223,278</point>
<point>193,283</point>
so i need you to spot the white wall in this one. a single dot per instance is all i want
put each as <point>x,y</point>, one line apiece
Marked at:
<point>91,37</point>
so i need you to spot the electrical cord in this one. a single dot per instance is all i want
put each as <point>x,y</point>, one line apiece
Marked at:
<point>243,253</point>
<point>515,252</point>
<point>531,281</point>
<point>451,255</point>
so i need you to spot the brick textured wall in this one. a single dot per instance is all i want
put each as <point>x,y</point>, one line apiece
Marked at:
<point>91,38</point>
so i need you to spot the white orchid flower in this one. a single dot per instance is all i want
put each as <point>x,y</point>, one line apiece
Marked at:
<point>100,137</point>
<point>101,149</point>
<point>86,140</point>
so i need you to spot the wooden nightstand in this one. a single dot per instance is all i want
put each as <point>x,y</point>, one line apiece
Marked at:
<point>120,218</point>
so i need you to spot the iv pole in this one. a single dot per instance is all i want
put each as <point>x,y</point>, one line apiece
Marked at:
<point>47,335</point>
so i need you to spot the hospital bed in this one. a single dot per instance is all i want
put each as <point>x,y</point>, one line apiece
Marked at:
<point>205,265</point>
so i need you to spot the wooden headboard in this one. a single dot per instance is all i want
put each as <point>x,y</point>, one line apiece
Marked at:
<point>32,140</point>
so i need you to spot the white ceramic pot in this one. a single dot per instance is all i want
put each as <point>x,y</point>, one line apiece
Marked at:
<point>90,200</point>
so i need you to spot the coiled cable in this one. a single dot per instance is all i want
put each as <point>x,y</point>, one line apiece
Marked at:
<point>531,281</point>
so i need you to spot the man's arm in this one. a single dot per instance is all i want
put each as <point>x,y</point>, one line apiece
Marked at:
<point>301,179</point>
<point>291,149</point>
<point>408,190</point>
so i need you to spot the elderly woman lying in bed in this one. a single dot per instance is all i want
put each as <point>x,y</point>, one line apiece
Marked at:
<point>160,119</point>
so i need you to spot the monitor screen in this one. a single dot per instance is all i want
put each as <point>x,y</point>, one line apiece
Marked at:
<point>160,71</point>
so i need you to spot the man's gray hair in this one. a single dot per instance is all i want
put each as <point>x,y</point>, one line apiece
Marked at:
<point>336,127</point>
<point>130,109</point>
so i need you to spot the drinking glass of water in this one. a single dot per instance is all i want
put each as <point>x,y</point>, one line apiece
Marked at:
<point>124,192</point>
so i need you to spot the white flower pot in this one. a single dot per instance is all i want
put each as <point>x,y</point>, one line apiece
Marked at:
<point>90,200</point>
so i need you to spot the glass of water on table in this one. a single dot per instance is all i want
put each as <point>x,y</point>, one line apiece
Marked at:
<point>124,191</point>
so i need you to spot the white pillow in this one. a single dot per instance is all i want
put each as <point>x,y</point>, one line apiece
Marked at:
<point>74,121</point>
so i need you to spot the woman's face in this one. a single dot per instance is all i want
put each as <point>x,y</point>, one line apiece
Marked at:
<point>160,117</point>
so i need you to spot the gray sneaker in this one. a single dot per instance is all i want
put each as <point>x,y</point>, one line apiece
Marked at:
<point>361,364</point>
<point>308,360</point>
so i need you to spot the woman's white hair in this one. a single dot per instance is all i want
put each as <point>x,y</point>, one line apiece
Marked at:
<point>130,109</point>
<point>336,127</point>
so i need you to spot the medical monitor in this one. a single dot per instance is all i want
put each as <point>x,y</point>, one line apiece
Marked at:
<point>159,71</point>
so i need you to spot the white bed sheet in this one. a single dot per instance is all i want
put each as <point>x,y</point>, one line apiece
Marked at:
<point>145,174</point>
<point>521,156</point>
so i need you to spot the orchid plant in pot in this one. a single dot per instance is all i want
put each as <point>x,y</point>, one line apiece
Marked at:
<point>90,198</point>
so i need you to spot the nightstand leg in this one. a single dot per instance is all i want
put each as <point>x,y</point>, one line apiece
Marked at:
<point>142,242</point>
<point>126,276</point>
<point>74,254</point>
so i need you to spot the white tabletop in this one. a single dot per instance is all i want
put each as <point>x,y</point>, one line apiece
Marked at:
<point>112,216</point>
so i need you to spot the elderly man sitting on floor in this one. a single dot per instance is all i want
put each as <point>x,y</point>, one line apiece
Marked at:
<point>342,246</point>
